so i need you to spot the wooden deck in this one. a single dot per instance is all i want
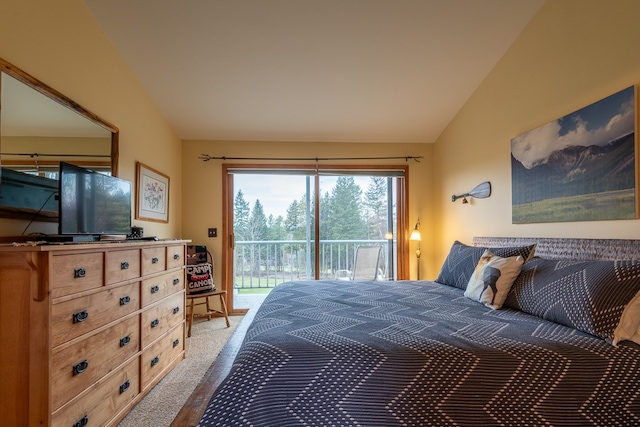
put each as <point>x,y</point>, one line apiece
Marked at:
<point>191,412</point>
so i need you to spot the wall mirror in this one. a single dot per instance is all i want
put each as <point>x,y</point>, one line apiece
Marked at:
<point>39,128</point>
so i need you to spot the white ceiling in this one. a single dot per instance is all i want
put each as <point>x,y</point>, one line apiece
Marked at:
<point>312,70</point>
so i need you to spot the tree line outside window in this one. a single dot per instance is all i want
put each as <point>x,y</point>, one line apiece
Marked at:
<point>347,212</point>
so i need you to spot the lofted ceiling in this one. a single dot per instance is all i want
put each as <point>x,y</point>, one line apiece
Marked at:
<point>312,70</point>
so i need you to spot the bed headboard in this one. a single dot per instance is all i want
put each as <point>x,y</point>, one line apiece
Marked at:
<point>568,248</point>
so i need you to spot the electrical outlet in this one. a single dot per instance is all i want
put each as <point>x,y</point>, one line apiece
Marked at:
<point>213,232</point>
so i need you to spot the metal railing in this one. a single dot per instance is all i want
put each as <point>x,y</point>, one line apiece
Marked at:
<point>265,264</point>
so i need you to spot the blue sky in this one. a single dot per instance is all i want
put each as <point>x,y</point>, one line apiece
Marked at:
<point>596,124</point>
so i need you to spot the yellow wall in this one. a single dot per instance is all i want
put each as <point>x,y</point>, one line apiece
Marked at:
<point>60,43</point>
<point>202,182</point>
<point>573,53</point>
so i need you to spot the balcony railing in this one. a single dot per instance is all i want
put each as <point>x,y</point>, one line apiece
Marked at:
<point>265,264</point>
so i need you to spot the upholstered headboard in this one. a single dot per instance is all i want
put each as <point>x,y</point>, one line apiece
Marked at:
<point>569,248</point>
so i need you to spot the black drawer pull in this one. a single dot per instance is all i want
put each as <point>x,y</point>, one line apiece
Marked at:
<point>80,367</point>
<point>176,342</point>
<point>125,340</point>
<point>176,256</point>
<point>124,386</point>
<point>79,273</point>
<point>155,289</point>
<point>154,260</point>
<point>80,316</point>
<point>176,310</point>
<point>154,323</point>
<point>125,300</point>
<point>155,361</point>
<point>176,281</point>
<point>82,422</point>
<point>124,265</point>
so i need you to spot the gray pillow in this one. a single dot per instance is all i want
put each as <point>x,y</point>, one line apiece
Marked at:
<point>462,260</point>
<point>586,295</point>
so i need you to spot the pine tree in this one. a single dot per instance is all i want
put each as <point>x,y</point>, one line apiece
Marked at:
<point>258,229</point>
<point>346,221</point>
<point>241,213</point>
<point>375,202</point>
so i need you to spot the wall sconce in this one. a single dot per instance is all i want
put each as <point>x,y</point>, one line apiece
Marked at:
<point>415,236</point>
<point>481,191</point>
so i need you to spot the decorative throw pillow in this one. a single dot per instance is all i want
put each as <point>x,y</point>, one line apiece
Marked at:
<point>590,296</point>
<point>629,326</point>
<point>492,279</point>
<point>199,278</point>
<point>462,260</point>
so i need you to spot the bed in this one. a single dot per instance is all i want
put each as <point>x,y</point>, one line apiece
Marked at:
<point>561,349</point>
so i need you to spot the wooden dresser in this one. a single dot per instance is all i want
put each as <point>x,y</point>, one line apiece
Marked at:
<point>86,330</point>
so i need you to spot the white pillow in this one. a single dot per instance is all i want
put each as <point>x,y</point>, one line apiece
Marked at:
<point>492,279</point>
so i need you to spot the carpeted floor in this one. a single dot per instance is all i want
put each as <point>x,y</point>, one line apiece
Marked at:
<point>160,406</point>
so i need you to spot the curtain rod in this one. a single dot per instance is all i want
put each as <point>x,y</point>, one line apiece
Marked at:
<point>206,158</point>
<point>54,155</point>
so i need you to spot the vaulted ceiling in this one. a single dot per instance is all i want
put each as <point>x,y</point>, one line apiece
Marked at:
<point>312,70</point>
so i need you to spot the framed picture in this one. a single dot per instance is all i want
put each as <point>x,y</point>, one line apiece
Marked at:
<point>152,198</point>
<point>581,167</point>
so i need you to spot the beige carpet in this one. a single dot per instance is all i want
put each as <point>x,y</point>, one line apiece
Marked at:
<point>161,405</point>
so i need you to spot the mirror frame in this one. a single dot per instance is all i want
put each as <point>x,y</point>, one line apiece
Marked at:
<point>48,91</point>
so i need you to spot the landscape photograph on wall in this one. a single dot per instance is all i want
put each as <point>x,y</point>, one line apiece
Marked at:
<point>580,167</point>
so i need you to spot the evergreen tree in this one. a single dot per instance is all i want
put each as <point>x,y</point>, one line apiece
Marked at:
<point>346,221</point>
<point>295,223</point>
<point>375,203</point>
<point>258,229</point>
<point>325,217</point>
<point>277,230</point>
<point>241,213</point>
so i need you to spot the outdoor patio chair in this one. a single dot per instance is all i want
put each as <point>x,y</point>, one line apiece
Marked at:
<point>367,263</point>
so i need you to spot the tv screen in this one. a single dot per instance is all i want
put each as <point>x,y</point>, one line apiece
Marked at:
<point>92,203</point>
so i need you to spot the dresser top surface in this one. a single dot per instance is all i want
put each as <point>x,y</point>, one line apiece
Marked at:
<point>38,246</point>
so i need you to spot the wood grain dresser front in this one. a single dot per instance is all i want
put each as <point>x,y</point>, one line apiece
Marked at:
<point>87,329</point>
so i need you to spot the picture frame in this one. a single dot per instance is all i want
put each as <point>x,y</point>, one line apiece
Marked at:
<point>152,195</point>
<point>580,167</point>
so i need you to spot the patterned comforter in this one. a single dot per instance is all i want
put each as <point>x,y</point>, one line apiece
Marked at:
<point>337,353</point>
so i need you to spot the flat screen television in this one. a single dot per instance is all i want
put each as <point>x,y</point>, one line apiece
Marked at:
<point>92,203</point>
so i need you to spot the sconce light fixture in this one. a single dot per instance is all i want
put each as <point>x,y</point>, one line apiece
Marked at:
<point>415,236</point>
<point>481,191</point>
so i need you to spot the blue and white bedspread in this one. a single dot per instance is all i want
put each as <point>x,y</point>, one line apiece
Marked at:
<point>337,353</point>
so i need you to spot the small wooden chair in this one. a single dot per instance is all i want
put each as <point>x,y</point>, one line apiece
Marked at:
<point>200,261</point>
<point>191,304</point>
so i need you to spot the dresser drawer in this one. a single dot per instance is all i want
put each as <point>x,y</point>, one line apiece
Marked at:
<point>153,260</point>
<point>76,367</point>
<point>76,272</point>
<point>160,355</point>
<point>70,319</point>
<point>158,287</point>
<point>160,318</point>
<point>122,265</point>
<point>103,401</point>
<point>175,256</point>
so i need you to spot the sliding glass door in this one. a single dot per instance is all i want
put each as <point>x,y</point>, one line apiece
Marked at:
<point>273,235</point>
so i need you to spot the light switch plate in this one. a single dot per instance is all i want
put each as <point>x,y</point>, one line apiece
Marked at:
<point>213,232</point>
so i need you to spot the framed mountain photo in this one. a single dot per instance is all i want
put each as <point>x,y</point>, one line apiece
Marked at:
<point>581,167</point>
